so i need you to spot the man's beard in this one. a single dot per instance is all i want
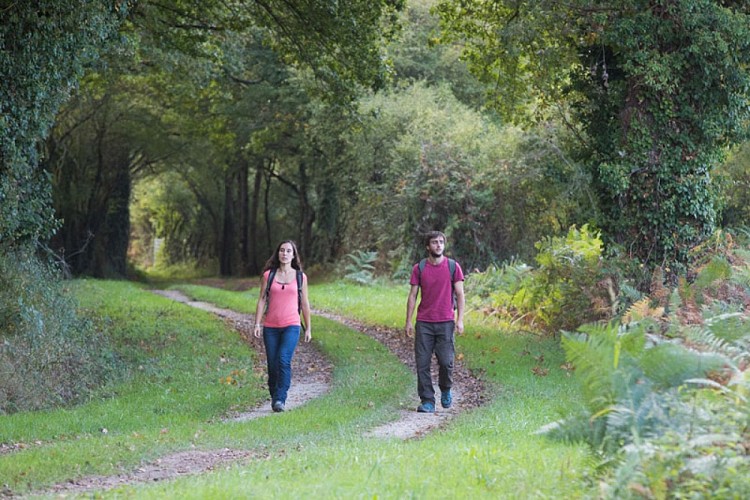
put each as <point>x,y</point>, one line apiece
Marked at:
<point>435,255</point>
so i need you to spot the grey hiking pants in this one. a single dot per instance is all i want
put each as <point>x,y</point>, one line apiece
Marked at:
<point>437,338</point>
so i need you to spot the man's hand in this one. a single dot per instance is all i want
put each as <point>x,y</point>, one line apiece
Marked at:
<point>409,330</point>
<point>460,327</point>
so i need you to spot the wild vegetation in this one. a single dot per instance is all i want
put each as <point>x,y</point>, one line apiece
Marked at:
<point>587,160</point>
<point>663,375</point>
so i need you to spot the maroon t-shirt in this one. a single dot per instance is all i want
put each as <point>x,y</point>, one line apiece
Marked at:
<point>436,303</point>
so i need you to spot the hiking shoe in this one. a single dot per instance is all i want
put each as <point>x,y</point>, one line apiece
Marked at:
<point>426,407</point>
<point>278,406</point>
<point>446,399</point>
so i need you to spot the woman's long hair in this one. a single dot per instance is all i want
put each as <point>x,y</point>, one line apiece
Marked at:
<point>274,262</point>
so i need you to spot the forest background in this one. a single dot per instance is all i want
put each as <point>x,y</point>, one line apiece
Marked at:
<point>579,156</point>
<point>216,130</point>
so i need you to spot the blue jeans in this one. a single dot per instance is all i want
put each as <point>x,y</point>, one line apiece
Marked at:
<point>434,338</point>
<point>280,344</point>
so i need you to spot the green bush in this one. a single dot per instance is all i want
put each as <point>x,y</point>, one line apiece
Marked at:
<point>666,392</point>
<point>49,355</point>
<point>493,291</point>
<point>360,268</point>
<point>569,287</point>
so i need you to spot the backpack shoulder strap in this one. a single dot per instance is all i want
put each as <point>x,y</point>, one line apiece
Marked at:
<point>452,267</point>
<point>271,275</point>
<point>422,263</point>
<point>299,290</point>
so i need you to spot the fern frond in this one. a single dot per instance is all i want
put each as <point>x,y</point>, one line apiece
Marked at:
<point>717,269</point>
<point>733,348</point>
<point>602,355</point>
<point>641,310</point>
<point>728,326</point>
<point>670,364</point>
<point>360,269</point>
<point>658,291</point>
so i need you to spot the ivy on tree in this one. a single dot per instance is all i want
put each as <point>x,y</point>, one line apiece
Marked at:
<point>657,88</point>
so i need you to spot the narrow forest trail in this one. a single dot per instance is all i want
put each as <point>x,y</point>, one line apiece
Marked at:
<point>468,393</point>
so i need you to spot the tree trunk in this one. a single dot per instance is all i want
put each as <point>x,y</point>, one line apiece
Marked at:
<point>243,203</point>
<point>91,195</point>
<point>267,207</point>
<point>253,266</point>
<point>111,245</point>
<point>307,213</point>
<point>227,236</point>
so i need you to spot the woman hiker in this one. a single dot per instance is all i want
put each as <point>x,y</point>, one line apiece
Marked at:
<point>283,296</point>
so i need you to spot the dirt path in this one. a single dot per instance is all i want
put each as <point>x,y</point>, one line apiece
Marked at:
<point>307,359</point>
<point>468,393</point>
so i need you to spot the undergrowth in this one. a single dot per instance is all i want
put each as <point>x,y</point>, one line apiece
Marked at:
<point>49,354</point>
<point>666,386</point>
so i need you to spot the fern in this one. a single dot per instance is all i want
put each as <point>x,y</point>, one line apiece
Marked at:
<point>628,295</point>
<point>735,350</point>
<point>603,356</point>
<point>360,269</point>
<point>670,364</point>
<point>717,269</point>
<point>667,390</point>
<point>642,310</point>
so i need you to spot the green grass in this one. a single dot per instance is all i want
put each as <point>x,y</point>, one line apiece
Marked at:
<point>243,302</point>
<point>375,305</point>
<point>317,450</point>
<point>172,394</point>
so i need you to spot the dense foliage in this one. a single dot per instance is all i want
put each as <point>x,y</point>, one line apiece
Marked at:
<point>423,160</point>
<point>663,376</point>
<point>49,354</point>
<point>100,141</point>
<point>44,47</point>
<point>657,88</point>
<point>666,385</point>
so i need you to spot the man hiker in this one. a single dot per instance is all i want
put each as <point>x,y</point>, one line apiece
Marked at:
<point>440,313</point>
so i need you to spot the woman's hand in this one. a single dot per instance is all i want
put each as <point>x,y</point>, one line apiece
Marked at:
<point>257,331</point>
<point>308,335</point>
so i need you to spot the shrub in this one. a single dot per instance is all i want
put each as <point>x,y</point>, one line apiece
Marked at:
<point>569,287</point>
<point>492,291</point>
<point>666,393</point>
<point>360,268</point>
<point>49,355</point>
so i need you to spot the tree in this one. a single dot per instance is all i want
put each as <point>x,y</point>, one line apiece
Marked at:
<point>422,160</point>
<point>658,87</point>
<point>418,56</point>
<point>44,47</point>
<point>339,41</point>
<point>734,179</point>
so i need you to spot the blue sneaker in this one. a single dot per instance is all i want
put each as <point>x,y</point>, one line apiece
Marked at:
<point>426,407</point>
<point>446,399</point>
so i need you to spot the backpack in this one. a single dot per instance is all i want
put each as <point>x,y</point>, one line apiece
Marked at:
<point>451,267</point>
<point>272,274</point>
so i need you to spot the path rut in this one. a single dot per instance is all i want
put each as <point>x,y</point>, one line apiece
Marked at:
<point>468,393</point>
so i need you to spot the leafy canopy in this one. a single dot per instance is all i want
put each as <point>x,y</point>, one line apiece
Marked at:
<point>657,89</point>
